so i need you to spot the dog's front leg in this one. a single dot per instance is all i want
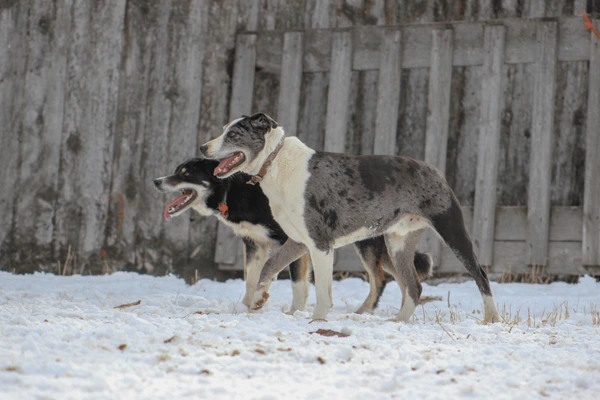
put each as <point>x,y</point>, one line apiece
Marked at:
<point>256,255</point>
<point>290,251</point>
<point>323,269</point>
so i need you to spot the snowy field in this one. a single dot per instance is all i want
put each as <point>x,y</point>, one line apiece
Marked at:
<point>63,338</point>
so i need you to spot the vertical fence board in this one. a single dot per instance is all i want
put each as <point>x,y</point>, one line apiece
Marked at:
<point>412,121</point>
<point>89,125</point>
<point>184,89</point>
<point>153,253</point>
<point>339,92</point>
<point>319,14</point>
<point>228,248</point>
<point>489,144</point>
<point>568,159</point>
<point>222,24</point>
<point>538,194</point>
<point>14,24</point>
<point>438,116</point>
<point>537,8</point>
<point>289,85</point>
<point>463,132</point>
<point>43,103</point>
<point>127,164</point>
<point>388,94</point>
<point>591,201</point>
<point>515,140</point>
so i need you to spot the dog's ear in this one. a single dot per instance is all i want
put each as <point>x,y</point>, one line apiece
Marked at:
<point>261,120</point>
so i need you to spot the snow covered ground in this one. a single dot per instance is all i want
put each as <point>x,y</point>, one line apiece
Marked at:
<point>62,338</point>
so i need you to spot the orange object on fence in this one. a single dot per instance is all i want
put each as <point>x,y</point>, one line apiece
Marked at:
<point>589,25</point>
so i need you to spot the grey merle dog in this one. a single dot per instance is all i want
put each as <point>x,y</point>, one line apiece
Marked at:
<point>246,210</point>
<point>323,201</point>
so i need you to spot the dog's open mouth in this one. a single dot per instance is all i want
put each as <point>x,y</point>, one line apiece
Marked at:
<point>181,203</point>
<point>228,163</point>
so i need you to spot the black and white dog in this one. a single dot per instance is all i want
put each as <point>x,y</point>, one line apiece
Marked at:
<point>246,210</point>
<point>323,201</point>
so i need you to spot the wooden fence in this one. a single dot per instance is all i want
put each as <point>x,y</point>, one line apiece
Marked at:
<point>561,240</point>
<point>97,98</point>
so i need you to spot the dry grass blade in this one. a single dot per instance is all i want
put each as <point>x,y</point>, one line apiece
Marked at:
<point>137,303</point>
<point>329,333</point>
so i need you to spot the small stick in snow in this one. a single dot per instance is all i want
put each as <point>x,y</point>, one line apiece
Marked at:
<point>137,303</point>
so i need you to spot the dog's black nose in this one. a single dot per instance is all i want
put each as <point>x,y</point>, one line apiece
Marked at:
<point>157,182</point>
<point>203,149</point>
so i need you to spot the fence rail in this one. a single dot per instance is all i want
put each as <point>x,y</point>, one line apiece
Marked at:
<point>562,240</point>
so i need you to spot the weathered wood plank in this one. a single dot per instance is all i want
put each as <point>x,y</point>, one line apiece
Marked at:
<point>14,25</point>
<point>268,14</point>
<point>337,96</point>
<point>129,136</point>
<point>564,259</point>
<point>243,76</point>
<point>184,83</point>
<point>515,141</point>
<point>229,249</point>
<point>438,116</point>
<point>320,14</point>
<point>537,9</point>
<point>568,160</point>
<point>538,195</point>
<point>579,7</point>
<point>88,127</point>
<point>291,79</point>
<point>468,50</point>
<point>363,102</point>
<point>222,24</point>
<point>152,253</point>
<point>388,94</point>
<point>462,149</point>
<point>591,201</point>
<point>412,121</point>
<point>249,13</point>
<point>489,144</point>
<point>313,95</point>
<point>565,223</point>
<point>45,84</point>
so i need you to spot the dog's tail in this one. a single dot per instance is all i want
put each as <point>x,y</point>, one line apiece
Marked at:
<point>423,265</point>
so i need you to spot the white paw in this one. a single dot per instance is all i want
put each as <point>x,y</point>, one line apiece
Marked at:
<point>320,313</point>
<point>260,298</point>
<point>247,300</point>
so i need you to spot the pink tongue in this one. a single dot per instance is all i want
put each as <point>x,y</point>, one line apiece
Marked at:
<point>178,201</point>
<point>222,167</point>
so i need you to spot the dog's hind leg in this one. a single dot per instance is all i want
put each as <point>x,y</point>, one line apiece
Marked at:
<point>256,255</point>
<point>451,227</point>
<point>290,251</point>
<point>323,269</point>
<point>299,272</point>
<point>402,252</point>
<point>373,254</point>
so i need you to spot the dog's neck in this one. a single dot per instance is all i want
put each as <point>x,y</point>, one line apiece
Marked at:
<point>273,139</point>
<point>265,167</point>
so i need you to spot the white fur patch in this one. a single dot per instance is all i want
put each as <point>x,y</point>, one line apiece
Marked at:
<point>258,233</point>
<point>408,223</point>
<point>408,308</point>
<point>490,312</point>
<point>285,184</point>
<point>359,234</point>
<point>300,290</point>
